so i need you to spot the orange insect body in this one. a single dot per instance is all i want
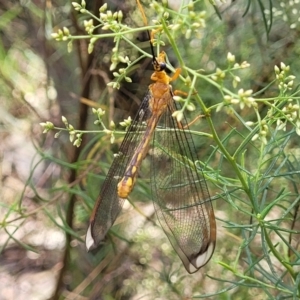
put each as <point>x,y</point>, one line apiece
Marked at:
<point>179,190</point>
<point>160,98</point>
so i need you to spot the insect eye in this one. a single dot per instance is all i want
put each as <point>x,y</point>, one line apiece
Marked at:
<point>162,66</point>
<point>159,66</point>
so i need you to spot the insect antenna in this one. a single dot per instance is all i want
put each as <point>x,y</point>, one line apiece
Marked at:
<point>155,63</point>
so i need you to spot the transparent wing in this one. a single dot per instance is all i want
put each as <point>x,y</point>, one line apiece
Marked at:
<point>109,204</point>
<point>180,194</point>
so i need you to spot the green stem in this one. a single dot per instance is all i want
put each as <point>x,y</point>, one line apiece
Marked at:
<point>277,254</point>
<point>206,111</point>
<point>230,158</point>
<point>174,46</point>
<point>111,34</point>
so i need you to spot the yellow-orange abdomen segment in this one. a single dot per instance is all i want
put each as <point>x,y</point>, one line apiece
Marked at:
<point>125,187</point>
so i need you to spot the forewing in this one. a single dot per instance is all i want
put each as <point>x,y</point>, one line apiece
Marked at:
<point>180,194</point>
<point>109,204</point>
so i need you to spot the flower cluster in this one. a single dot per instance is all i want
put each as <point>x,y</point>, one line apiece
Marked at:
<point>220,75</point>
<point>72,133</point>
<point>126,123</point>
<point>244,99</point>
<point>100,113</point>
<point>285,81</point>
<point>187,23</point>
<point>288,11</point>
<point>107,19</point>
<point>61,34</point>
<point>234,65</point>
<point>263,132</point>
<point>289,113</point>
<point>186,104</point>
<point>89,26</point>
<point>47,126</point>
<point>120,76</point>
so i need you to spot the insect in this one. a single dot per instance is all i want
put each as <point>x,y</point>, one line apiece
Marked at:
<point>179,191</point>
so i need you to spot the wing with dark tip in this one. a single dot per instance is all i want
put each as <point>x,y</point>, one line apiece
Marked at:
<point>180,194</point>
<point>109,204</point>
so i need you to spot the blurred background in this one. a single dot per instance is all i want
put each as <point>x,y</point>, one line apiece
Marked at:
<point>48,186</point>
